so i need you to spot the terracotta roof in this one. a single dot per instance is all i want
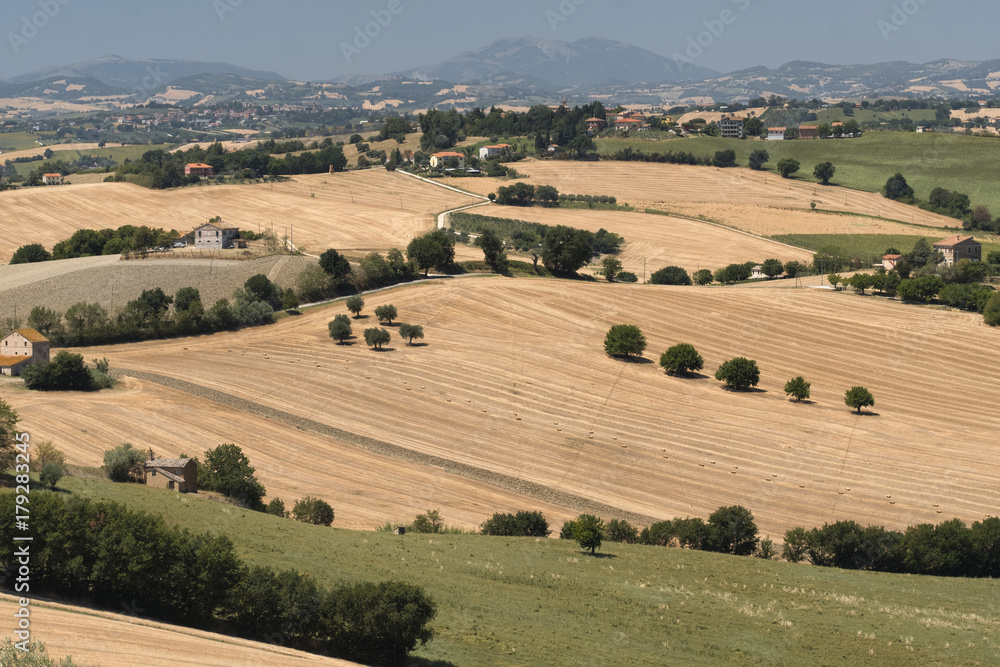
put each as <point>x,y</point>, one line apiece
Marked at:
<point>953,241</point>
<point>595,120</point>
<point>7,362</point>
<point>53,173</point>
<point>892,257</point>
<point>32,335</point>
<point>776,129</point>
<point>448,154</point>
<point>167,463</point>
<point>199,165</point>
<point>628,120</point>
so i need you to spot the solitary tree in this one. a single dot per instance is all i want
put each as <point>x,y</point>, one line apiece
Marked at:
<point>313,510</point>
<point>410,332</point>
<point>565,249</point>
<point>772,268</point>
<point>681,359</point>
<point>376,338</point>
<point>788,166</point>
<point>355,304</point>
<point>588,531</point>
<point>51,474</point>
<point>386,313</point>
<point>739,374</point>
<point>835,280</point>
<point>824,172</point>
<point>897,188</point>
<point>228,471</point>
<point>624,340</point>
<point>758,158</point>
<point>858,397</point>
<point>340,328</point>
<point>612,267</point>
<point>797,388</point>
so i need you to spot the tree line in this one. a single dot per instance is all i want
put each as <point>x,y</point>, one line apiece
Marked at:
<point>149,316</point>
<point>102,553</point>
<point>949,549</point>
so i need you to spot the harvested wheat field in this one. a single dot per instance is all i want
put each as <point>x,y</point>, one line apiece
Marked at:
<point>354,212</point>
<point>85,634</point>
<point>113,282</point>
<point>514,380</point>
<point>365,488</point>
<point>655,241</point>
<point>660,185</point>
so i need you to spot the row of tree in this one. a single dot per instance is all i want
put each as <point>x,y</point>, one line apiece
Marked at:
<point>105,554</point>
<point>949,549</point>
<point>150,315</point>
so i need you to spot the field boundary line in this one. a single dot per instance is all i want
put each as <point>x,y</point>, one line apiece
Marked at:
<point>656,211</point>
<point>442,185</point>
<point>388,450</point>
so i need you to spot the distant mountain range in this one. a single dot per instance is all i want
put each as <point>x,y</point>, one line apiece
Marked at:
<point>137,74</point>
<point>585,62</point>
<point>518,72</point>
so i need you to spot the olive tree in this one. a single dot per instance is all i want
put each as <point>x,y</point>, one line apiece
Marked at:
<point>340,328</point>
<point>410,332</point>
<point>386,313</point>
<point>797,388</point>
<point>858,397</point>
<point>355,304</point>
<point>376,338</point>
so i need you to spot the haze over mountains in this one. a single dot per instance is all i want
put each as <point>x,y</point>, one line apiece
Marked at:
<point>527,70</point>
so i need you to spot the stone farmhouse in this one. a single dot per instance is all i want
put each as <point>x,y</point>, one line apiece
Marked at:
<point>22,348</point>
<point>179,475</point>
<point>215,235</point>
<point>957,248</point>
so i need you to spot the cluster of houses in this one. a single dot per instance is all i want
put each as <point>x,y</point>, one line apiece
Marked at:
<point>804,132</point>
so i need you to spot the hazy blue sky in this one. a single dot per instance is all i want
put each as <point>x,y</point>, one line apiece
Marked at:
<point>302,38</point>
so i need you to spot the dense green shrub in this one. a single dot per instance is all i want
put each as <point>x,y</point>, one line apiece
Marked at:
<point>522,524</point>
<point>670,275</point>
<point>624,340</point>
<point>313,510</point>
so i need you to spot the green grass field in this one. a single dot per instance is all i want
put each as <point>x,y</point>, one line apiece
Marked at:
<point>870,247</point>
<point>18,141</point>
<point>526,601</point>
<point>955,162</point>
<point>119,154</point>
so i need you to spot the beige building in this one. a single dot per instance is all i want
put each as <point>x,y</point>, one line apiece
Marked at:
<point>22,348</point>
<point>890,262</point>
<point>957,248</point>
<point>54,178</point>
<point>173,474</point>
<point>215,235</point>
<point>448,160</point>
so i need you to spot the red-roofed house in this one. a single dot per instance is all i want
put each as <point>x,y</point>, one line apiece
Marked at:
<point>890,262</point>
<point>493,151</point>
<point>22,348</point>
<point>776,133</point>
<point>808,132</point>
<point>595,125</point>
<point>448,160</point>
<point>199,169</point>
<point>957,248</point>
<point>54,178</point>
